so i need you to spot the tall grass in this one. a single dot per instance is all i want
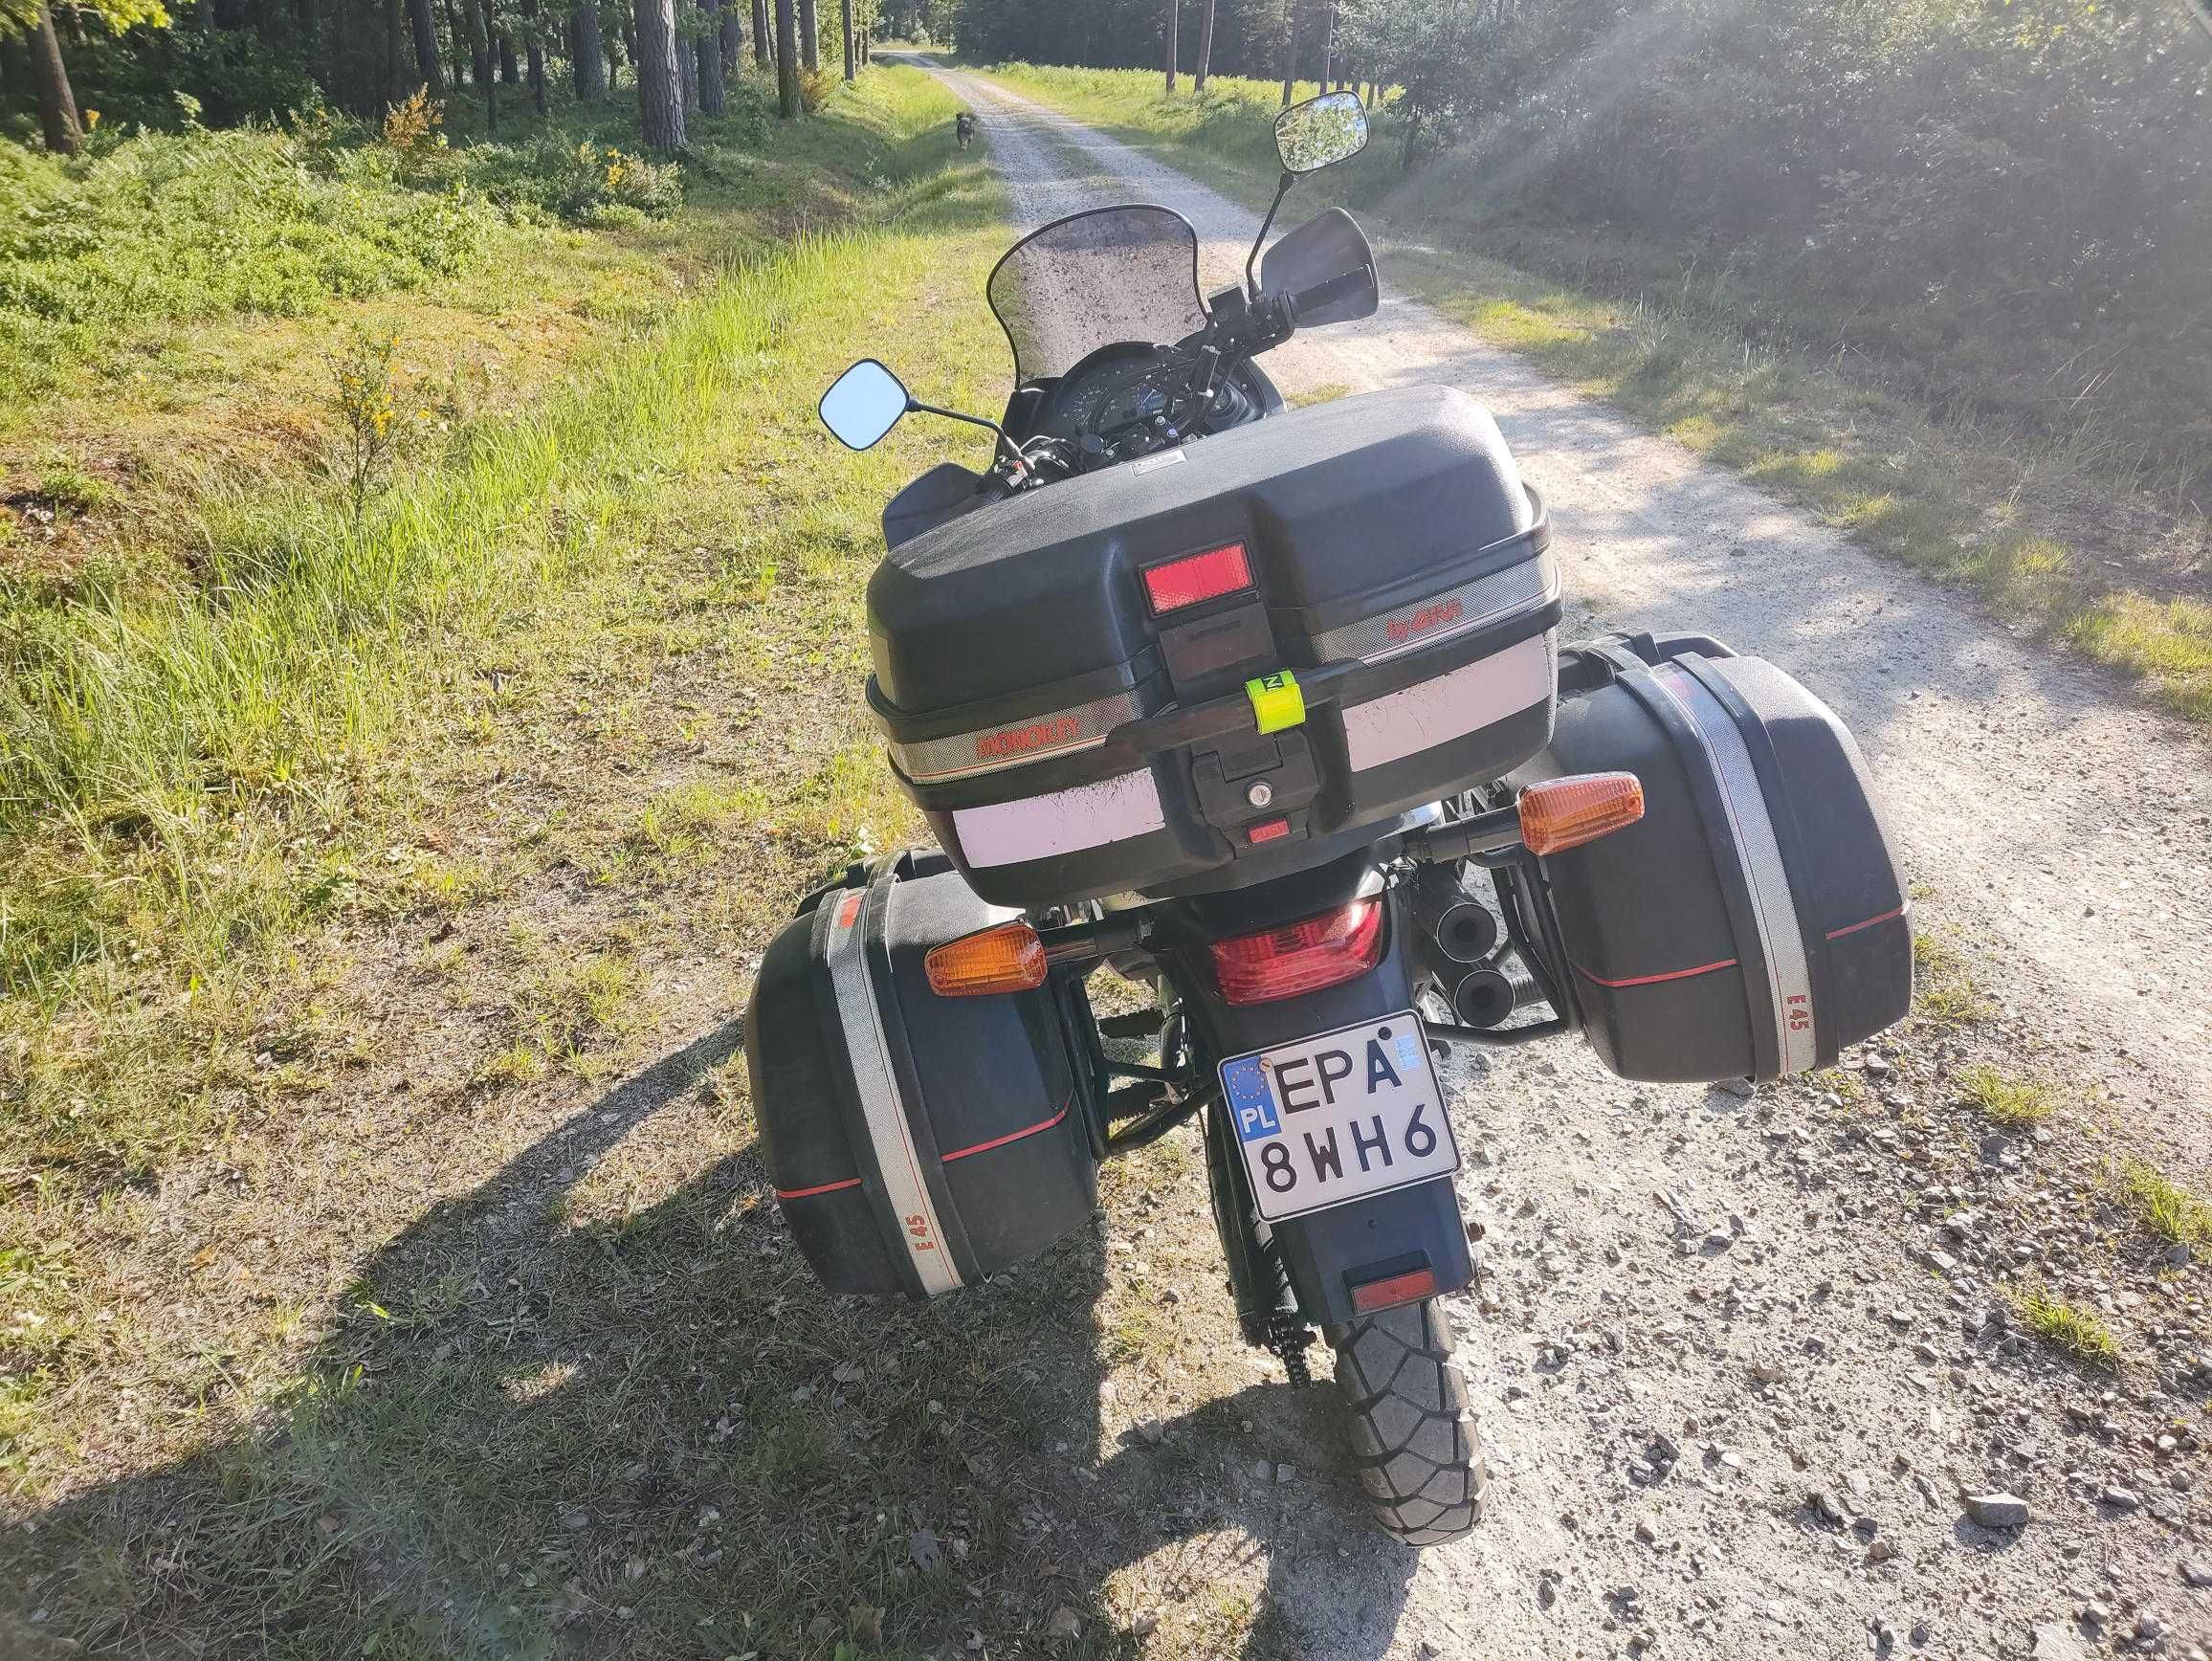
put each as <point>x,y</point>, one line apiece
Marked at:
<point>196,768</point>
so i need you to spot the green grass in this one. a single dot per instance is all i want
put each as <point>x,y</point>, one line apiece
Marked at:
<point>2028,527</point>
<point>1944,991</point>
<point>202,760</point>
<point>2069,1329</point>
<point>188,226</point>
<point>2165,1207</point>
<point>2008,1101</point>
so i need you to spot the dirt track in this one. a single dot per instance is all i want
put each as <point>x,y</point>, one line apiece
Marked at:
<point>1781,1289</point>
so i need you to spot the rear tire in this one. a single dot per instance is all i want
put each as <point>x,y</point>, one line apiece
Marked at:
<point>1413,1438</point>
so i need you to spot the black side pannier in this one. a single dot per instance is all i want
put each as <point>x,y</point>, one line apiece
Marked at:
<point>1207,669</point>
<point>917,1142</point>
<point>1754,921</point>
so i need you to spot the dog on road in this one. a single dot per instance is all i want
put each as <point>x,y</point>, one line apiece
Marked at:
<point>964,128</point>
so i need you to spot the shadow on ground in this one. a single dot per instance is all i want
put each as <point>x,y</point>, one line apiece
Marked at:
<point>528,1432</point>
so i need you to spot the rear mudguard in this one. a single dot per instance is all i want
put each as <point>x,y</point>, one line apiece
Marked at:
<point>1306,1266</point>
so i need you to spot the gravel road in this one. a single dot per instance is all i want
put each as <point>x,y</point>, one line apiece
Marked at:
<point>1739,1357</point>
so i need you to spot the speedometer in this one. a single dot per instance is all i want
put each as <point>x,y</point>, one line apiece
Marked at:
<point>1107,398</point>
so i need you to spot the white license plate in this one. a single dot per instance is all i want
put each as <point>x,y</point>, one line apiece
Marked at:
<point>1339,1116</point>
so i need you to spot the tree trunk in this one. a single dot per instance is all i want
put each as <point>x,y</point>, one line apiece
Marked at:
<point>1290,49</point>
<point>732,41</point>
<point>659,94</point>
<point>394,53</point>
<point>486,61</point>
<point>1205,51</point>
<point>15,67</point>
<point>510,73</point>
<point>786,61</point>
<point>425,47</point>
<point>464,23</point>
<point>1174,26</point>
<point>1328,43</point>
<point>713,97</point>
<point>534,58</point>
<point>809,36</point>
<point>687,86</point>
<point>761,44</point>
<point>590,53</point>
<point>57,102</point>
<point>851,60</point>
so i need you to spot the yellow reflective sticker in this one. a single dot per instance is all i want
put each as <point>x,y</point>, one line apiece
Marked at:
<point>1277,703</point>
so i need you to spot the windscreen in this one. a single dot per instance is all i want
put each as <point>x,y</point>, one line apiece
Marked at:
<point>1094,279</point>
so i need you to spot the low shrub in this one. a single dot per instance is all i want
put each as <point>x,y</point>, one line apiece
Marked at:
<point>183,225</point>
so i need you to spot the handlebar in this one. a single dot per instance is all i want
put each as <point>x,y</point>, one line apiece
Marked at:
<point>1337,288</point>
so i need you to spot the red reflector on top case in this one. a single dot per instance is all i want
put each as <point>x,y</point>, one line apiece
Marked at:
<point>1195,577</point>
<point>1269,832</point>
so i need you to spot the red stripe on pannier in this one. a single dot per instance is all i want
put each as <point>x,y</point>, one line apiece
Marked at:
<point>1652,979</point>
<point>823,1189</point>
<point>1012,1136</point>
<point>1837,934</point>
<point>981,1148</point>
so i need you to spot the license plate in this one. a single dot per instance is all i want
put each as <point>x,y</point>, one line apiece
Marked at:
<point>1338,1116</point>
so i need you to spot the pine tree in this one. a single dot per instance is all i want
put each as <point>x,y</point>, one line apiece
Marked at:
<point>57,102</point>
<point>428,69</point>
<point>786,61</point>
<point>713,97</point>
<point>591,63</point>
<point>659,93</point>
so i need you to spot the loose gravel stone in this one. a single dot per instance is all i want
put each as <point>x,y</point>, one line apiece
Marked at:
<point>1996,1510</point>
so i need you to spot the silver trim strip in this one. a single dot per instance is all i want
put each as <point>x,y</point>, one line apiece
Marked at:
<point>1435,712</point>
<point>896,1156</point>
<point>1061,822</point>
<point>1485,600</point>
<point>962,756</point>
<point>1780,943</point>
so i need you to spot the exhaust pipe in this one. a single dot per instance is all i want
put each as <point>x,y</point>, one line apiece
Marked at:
<point>1452,921</point>
<point>1489,996</point>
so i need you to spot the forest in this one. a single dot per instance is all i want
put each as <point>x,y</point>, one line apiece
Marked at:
<point>2007,201</point>
<point>65,69</point>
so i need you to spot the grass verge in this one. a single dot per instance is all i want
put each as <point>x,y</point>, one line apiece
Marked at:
<point>202,758</point>
<point>2041,531</point>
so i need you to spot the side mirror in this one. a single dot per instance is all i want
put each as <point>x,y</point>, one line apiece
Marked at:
<point>1321,132</point>
<point>863,404</point>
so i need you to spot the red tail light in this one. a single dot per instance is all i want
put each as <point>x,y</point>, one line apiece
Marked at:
<point>1301,957</point>
<point>1175,584</point>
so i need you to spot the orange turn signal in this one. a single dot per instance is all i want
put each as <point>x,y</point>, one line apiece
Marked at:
<point>1009,958</point>
<point>1563,813</point>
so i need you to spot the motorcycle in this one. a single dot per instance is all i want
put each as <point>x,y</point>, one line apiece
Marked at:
<point>1264,712</point>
